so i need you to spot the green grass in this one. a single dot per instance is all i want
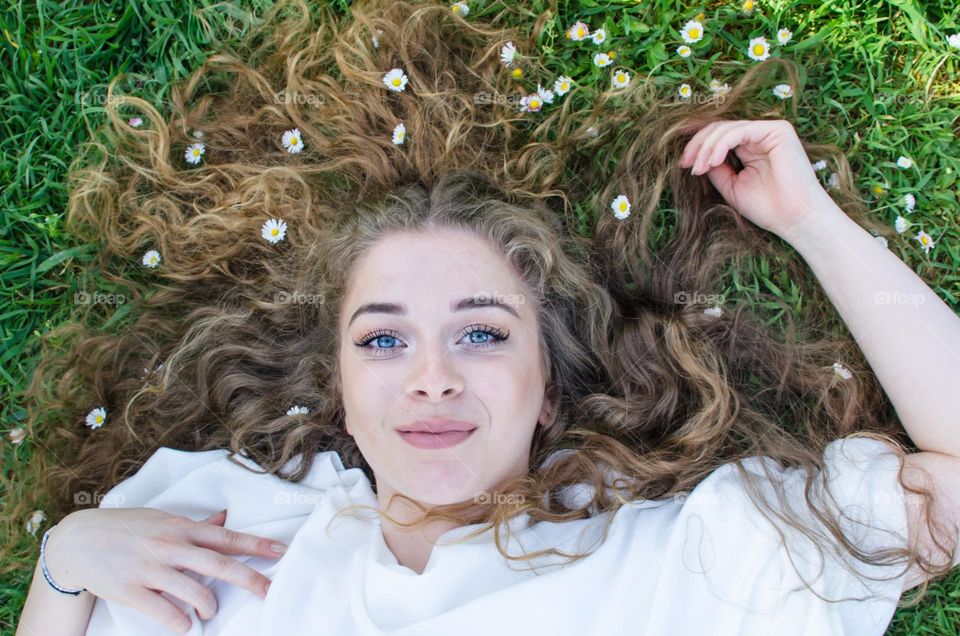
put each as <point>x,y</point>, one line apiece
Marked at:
<point>881,82</point>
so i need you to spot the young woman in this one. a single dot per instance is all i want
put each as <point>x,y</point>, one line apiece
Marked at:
<point>550,431</point>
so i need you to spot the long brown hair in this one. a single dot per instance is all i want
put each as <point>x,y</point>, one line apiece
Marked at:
<point>645,383</point>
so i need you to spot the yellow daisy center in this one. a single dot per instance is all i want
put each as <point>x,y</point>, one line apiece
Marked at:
<point>694,33</point>
<point>396,81</point>
<point>621,77</point>
<point>758,49</point>
<point>517,72</point>
<point>456,8</point>
<point>611,55</point>
<point>293,141</point>
<point>274,231</point>
<point>534,103</point>
<point>623,206</point>
<point>98,419</point>
<point>748,5</point>
<point>563,86</point>
<point>924,239</point>
<point>579,32</point>
<point>196,152</point>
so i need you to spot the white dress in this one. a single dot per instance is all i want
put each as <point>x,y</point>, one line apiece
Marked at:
<point>704,563</point>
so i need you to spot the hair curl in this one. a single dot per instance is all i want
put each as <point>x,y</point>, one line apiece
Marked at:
<point>648,387</point>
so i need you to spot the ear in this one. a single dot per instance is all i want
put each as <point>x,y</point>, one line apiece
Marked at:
<point>547,409</point>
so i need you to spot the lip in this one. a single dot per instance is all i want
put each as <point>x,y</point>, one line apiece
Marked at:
<point>448,439</point>
<point>437,425</point>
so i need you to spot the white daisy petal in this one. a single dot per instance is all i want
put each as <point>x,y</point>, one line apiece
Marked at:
<point>909,202</point>
<point>399,134</point>
<point>96,417</point>
<point>901,225</point>
<point>460,8</point>
<point>841,371</point>
<point>621,207</point>
<point>395,80</point>
<point>274,230</point>
<point>507,53</point>
<point>151,258</point>
<point>194,152</point>
<point>298,410</point>
<point>783,91</point>
<point>904,162</point>
<point>758,49</point>
<point>37,517</point>
<point>292,141</point>
<point>954,40</point>
<point>17,435</point>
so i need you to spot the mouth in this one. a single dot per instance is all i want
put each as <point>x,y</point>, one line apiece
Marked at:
<point>427,440</point>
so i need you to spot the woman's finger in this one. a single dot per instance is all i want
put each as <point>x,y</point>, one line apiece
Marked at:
<point>210,563</point>
<point>232,542</point>
<point>189,591</point>
<point>217,518</point>
<point>696,142</point>
<point>153,604</point>
<point>710,150</point>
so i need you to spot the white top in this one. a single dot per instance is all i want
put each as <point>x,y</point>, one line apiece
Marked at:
<point>704,563</point>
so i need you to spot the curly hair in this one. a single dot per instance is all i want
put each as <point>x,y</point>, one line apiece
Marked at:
<point>646,386</point>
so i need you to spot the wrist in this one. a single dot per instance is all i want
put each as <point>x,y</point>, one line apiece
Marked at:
<point>56,559</point>
<point>822,223</point>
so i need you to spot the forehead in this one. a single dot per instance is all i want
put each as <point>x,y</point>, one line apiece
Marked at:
<point>427,270</point>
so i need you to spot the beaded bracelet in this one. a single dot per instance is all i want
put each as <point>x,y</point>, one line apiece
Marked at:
<point>46,572</point>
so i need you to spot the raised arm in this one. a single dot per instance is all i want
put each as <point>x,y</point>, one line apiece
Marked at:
<point>909,336</point>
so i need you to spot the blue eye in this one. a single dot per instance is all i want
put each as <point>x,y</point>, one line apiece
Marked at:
<point>490,337</point>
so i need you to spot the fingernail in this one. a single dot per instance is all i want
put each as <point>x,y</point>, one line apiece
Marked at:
<point>279,548</point>
<point>266,587</point>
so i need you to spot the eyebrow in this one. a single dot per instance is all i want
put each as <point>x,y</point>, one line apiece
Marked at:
<point>400,309</point>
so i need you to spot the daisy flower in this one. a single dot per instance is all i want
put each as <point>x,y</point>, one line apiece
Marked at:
<point>684,51</point>
<point>842,372</point>
<point>833,181</point>
<point>926,241</point>
<point>719,88</point>
<point>954,40</point>
<point>507,53</point>
<point>545,94</point>
<point>96,417</point>
<point>292,141</point>
<point>784,36</point>
<point>879,190</point>
<point>151,258</point>
<point>904,162</point>
<point>198,134</point>
<point>579,31</point>
<point>621,79</point>
<point>685,91</point>
<point>621,207</point>
<point>399,134</point>
<point>598,36</point>
<point>396,80</point>
<point>375,39</point>
<point>517,73</point>
<point>692,32</point>
<point>747,6</point>
<point>135,122</point>
<point>534,101</point>
<point>194,152</point>
<point>783,91</point>
<point>819,165</point>
<point>602,59</point>
<point>460,8</point>
<point>758,49</point>
<point>592,132</point>
<point>881,240</point>
<point>901,225</point>
<point>562,85</point>
<point>37,517</point>
<point>716,311</point>
<point>17,435</point>
<point>298,410</point>
<point>909,202</point>
<point>274,230</point>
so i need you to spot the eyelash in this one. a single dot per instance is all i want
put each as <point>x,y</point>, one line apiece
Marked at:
<point>497,334</point>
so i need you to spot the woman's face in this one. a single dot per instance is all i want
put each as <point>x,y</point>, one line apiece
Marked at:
<point>424,304</point>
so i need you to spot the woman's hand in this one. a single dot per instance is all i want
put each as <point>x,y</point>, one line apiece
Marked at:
<point>129,555</point>
<point>777,187</point>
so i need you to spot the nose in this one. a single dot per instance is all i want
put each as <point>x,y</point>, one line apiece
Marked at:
<point>434,375</point>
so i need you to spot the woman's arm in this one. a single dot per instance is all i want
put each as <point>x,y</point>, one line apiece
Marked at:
<point>48,612</point>
<point>909,336</point>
